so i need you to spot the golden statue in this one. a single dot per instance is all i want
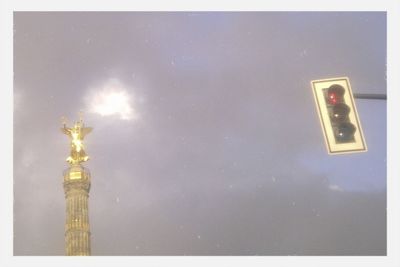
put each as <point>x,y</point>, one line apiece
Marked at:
<point>76,133</point>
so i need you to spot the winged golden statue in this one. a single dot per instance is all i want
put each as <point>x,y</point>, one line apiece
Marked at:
<point>76,134</point>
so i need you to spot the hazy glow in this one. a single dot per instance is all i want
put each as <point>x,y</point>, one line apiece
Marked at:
<point>112,99</point>
<point>334,187</point>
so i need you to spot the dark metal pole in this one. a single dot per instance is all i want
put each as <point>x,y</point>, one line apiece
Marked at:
<point>370,96</point>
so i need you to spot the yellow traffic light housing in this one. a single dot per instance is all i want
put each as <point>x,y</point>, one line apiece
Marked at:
<point>338,115</point>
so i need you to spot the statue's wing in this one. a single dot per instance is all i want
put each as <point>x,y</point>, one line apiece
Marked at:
<point>67,131</point>
<point>86,130</point>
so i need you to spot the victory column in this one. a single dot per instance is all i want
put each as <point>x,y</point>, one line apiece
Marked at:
<point>76,188</point>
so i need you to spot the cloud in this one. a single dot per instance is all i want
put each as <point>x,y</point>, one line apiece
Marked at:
<point>111,98</point>
<point>334,187</point>
<point>28,157</point>
<point>17,99</point>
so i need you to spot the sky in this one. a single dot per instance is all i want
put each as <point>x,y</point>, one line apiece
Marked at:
<point>206,137</point>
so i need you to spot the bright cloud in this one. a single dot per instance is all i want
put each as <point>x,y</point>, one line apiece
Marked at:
<point>112,98</point>
<point>334,187</point>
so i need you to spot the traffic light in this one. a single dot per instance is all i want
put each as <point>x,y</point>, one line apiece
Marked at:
<point>338,116</point>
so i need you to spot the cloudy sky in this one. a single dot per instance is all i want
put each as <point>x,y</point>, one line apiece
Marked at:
<point>206,139</point>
